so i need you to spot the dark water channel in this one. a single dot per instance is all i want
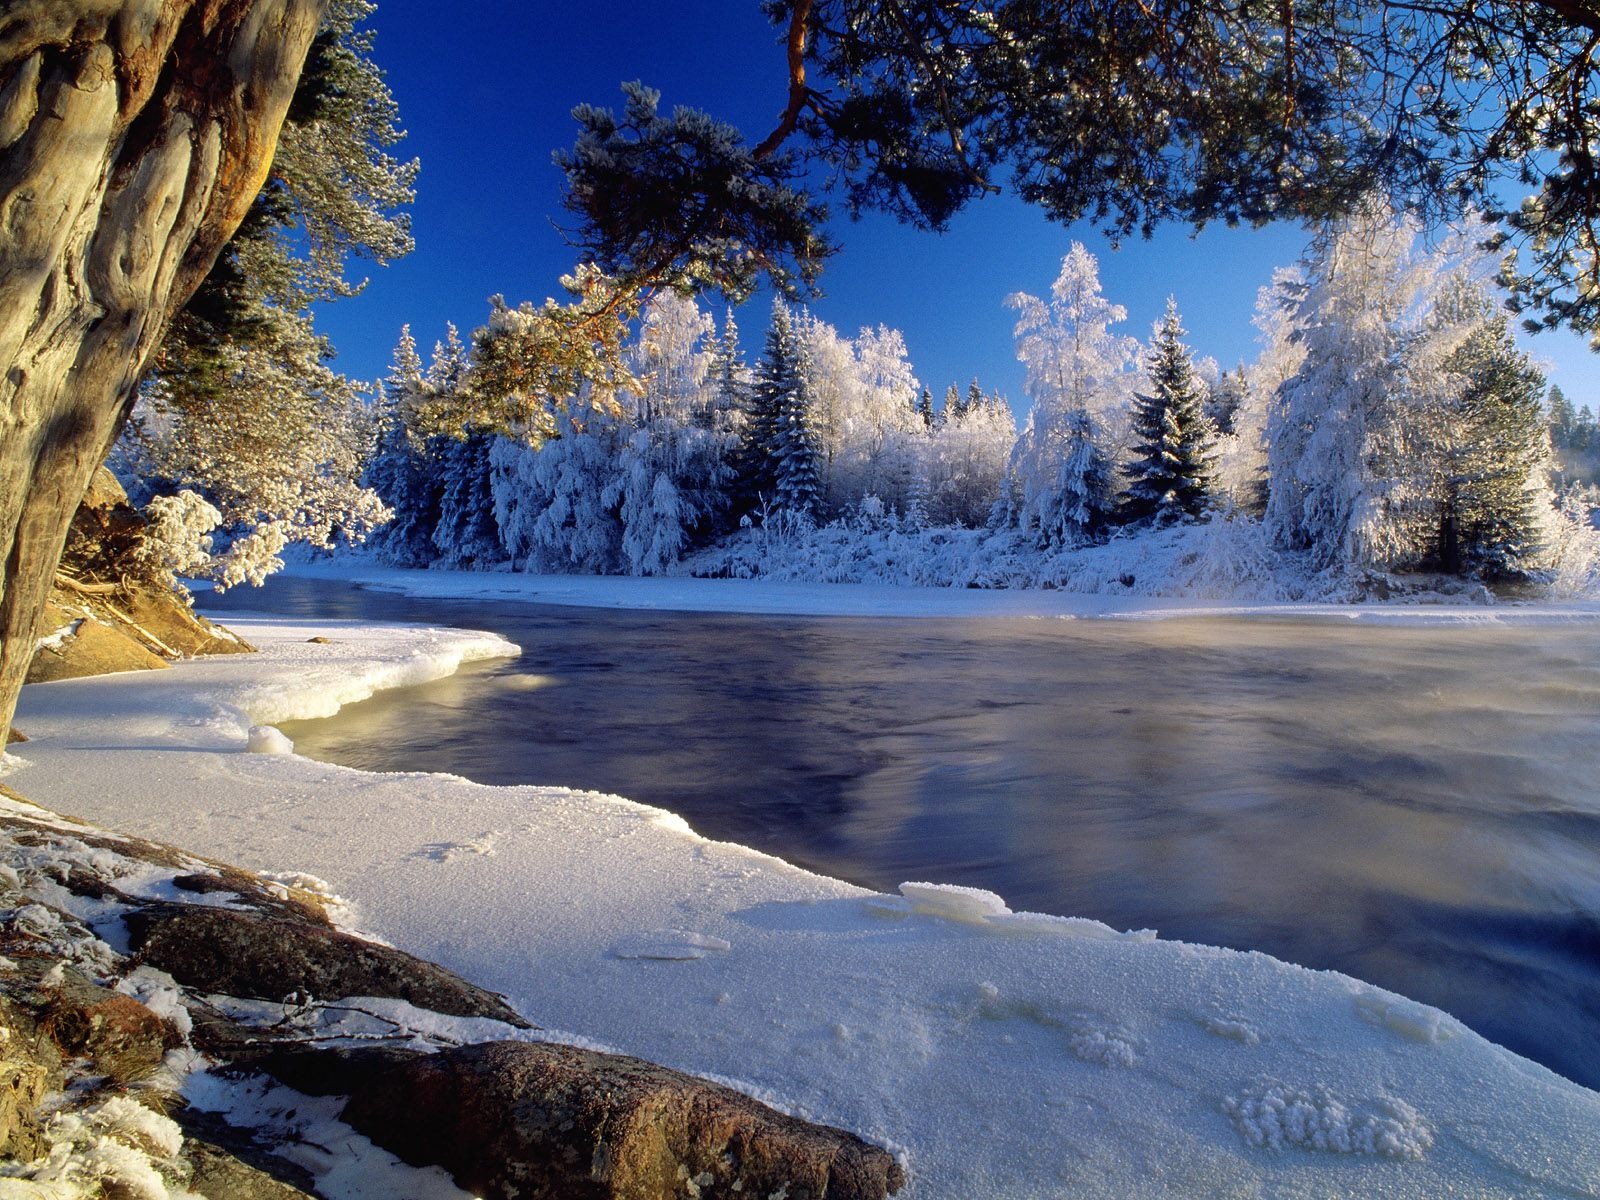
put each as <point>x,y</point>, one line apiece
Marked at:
<point>1417,807</point>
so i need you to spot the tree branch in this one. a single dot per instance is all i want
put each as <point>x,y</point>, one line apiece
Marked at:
<point>798,92</point>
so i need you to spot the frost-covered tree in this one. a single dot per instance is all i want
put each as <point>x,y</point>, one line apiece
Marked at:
<point>1079,375</point>
<point>282,468</point>
<point>556,504</point>
<point>243,403</point>
<point>1490,447</point>
<point>796,490</point>
<point>401,471</point>
<point>966,461</point>
<point>672,466</point>
<point>884,431</point>
<point>1169,474</point>
<point>1078,501</point>
<point>1337,434</point>
<point>776,381</point>
<point>466,533</point>
<point>834,384</point>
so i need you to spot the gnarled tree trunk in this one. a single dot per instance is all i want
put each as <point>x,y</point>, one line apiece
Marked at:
<point>134,135</point>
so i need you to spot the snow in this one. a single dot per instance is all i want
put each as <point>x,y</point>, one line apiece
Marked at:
<point>764,596</point>
<point>999,1053</point>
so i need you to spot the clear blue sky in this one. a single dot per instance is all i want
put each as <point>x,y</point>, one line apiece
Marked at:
<point>486,91</point>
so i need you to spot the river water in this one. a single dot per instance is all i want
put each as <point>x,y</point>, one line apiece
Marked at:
<point>1417,807</point>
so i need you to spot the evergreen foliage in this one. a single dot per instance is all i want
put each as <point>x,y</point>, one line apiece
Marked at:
<point>775,386</point>
<point>1493,472</point>
<point>1169,476</point>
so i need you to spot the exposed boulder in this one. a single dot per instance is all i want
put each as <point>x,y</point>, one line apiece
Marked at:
<point>30,1071</point>
<point>125,1039</point>
<point>548,1122</point>
<point>217,1174</point>
<point>109,611</point>
<point>271,957</point>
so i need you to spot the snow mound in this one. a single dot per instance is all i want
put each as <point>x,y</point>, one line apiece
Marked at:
<point>1108,1047</point>
<point>1276,1117</point>
<point>265,739</point>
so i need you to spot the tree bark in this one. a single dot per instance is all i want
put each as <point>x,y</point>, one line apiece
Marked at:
<point>134,135</point>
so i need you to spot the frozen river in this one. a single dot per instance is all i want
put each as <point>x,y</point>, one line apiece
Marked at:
<point>1417,807</point>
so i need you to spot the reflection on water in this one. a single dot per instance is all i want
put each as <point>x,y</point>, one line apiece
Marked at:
<point>1415,807</point>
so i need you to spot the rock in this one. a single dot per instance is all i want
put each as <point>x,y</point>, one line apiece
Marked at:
<point>272,957</point>
<point>30,1070</point>
<point>14,734</point>
<point>24,1082</point>
<point>108,611</point>
<point>258,893</point>
<point>218,1175</point>
<point>123,1038</point>
<point>547,1122</point>
<point>94,647</point>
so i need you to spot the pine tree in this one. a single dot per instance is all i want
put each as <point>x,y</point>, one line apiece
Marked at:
<point>974,396</point>
<point>1495,485</point>
<point>1084,497</point>
<point>796,488</point>
<point>952,403</point>
<point>925,408</point>
<point>402,471</point>
<point>1563,418</point>
<point>1169,476</point>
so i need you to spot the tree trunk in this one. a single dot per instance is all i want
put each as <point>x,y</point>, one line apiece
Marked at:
<point>134,135</point>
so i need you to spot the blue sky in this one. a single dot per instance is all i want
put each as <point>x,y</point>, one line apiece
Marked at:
<point>486,93</point>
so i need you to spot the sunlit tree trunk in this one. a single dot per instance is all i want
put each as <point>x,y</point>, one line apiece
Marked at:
<point>134,135</point>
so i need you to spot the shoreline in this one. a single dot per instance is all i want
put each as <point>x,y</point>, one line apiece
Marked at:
<point>1000,1053</point>
<point>759,597</point>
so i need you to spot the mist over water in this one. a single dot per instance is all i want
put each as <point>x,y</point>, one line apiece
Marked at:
<point>1417,807</point>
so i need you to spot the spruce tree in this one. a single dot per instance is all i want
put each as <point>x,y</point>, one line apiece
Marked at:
<point>1563,418</point>
<point>925,408</point>
<point>1084,494</point>
<point>974,397</point>
<point>796,487</point>
<point>777,383</point>
<point>402,471</point>
<point>466,533</point>
<point>1169,477</point>
<point>1489,521</point>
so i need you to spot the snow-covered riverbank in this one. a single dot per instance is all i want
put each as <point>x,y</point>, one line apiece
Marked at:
<point>762,596</point>
<point>1004,1055</point>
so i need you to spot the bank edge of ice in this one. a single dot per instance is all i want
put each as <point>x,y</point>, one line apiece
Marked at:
<point>1004,1054</point>
<point>773,598</point>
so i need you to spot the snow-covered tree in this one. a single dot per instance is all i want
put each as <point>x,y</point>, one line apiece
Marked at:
<point>796,490</point>
<point>282,462</point>
<point>1169,475</point>
<point>466,533</point>
<point>776,380</point>
<point>556,504</point>
<point>966,461</point>
<point>1337,433</point>
<point>1079,376</point>
<point>401,471</point>
<point>672,466</point>
<point>883,432</point>
<point>1489,446</point>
